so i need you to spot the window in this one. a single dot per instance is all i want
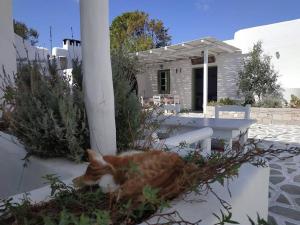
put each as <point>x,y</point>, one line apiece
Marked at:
<point>63,62</point>
<point>163,81</point>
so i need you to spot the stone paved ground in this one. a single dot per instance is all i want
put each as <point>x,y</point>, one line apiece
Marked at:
<point>284,194</point>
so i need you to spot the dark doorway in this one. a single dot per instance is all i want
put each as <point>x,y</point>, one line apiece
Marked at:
<point>198,87</point>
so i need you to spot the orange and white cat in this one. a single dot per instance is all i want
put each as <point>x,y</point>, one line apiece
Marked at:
<point>129,173</point>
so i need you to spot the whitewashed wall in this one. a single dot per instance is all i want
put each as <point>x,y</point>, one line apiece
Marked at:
<point>26,51</point>
<point>283,38</point>
<point>7,51</point>
<point>181,82</point>
<point>69,51</point>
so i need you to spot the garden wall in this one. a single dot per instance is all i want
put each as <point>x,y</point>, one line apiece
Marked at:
<point>279,116</point>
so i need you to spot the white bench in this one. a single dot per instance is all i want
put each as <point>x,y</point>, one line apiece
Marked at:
<point>243,133</point>
<point>199,136</point>
<point>233,108</point>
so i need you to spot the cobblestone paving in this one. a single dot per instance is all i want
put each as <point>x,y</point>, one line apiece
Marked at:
<point>284,191</point>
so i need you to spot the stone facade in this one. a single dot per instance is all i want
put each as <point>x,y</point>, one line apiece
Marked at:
<point>279,116</point>
<point>181,76</point>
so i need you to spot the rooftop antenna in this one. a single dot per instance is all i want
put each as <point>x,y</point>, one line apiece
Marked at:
<point>72,33</point>
<point>51,40</point>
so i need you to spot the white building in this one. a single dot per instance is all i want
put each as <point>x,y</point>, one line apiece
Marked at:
<point>185,70</point>
<point>26,51</point>
<point>71,50</point>
<point>282,42</point>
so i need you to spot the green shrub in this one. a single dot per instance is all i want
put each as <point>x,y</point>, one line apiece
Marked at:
<point>48,114</point>
<point>258,76</point>
<point>228,101</point>
<point>224,101</point>
<point>295,101</point>
<point>270,102</point>
<point>127,105</point>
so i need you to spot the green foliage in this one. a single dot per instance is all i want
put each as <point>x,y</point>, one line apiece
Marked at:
<point>295,101</point>
<point>135,31</point>
<point>270,102</point>
<point>225,218</point>
<point>224,101</point>
<point>228,101</point>
<point>127,105</point>
<point>260,221</point>
<point>89,206</point>
<point>25,32</point>
<point>258,77</point>
<point>48,114</point>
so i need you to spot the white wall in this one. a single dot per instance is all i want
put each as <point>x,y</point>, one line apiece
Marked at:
<point>7,51</point>
<point>70,51</point>
<point>26,51</point>
<point>283,38</point>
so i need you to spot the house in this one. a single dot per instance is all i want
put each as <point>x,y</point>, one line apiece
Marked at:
<point>181,69</point>
<point>71,50</point>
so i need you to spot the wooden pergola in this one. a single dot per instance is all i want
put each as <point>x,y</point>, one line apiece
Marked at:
<point>192,49</point>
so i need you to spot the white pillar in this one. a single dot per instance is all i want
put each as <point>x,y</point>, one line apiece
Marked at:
<point>98,85</point>
<point>7,38</point>
<point>205,81</point>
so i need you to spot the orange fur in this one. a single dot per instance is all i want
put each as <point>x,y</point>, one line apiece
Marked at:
<point>157,169</point>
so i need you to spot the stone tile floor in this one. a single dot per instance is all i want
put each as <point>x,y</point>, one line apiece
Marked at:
<point>284,192</point>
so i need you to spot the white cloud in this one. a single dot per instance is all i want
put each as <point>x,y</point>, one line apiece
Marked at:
<point>203,5</point>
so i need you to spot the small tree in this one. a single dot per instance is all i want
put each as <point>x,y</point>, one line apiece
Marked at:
<point>135,31</point>
<point>25,32</point>
<point>258,77</point>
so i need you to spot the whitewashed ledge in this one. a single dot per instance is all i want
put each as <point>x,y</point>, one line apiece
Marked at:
<point>17,179</point>
<point>249,194</point>
<point>249,197</point>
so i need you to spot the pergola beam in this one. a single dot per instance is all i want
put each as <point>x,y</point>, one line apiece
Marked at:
<point>205,82</point>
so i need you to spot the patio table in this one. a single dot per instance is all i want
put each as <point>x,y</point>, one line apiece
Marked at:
<point>225,129</point>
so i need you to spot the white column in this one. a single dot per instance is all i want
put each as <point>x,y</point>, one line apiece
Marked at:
<point>7,38</point>
<point>98,85</point>
<point>205,81</point>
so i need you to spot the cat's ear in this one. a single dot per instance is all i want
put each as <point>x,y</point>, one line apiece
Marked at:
<point>95,157</point>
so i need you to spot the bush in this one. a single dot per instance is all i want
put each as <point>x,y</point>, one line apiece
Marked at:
<point>48,114</point>
<point>270,102</point>
<point>295,101</point>
<point>224,101</point>
<point>127,105</point>
<point>257,77</point>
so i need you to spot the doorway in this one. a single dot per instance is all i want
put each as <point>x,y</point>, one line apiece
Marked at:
<point>197,99</point>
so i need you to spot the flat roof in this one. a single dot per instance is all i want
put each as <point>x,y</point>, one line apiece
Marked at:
<point>190,49</point>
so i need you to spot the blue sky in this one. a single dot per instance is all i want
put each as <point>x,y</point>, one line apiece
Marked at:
<point>186,19</point>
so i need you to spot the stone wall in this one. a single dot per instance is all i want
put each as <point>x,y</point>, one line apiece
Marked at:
<point>280,116</point>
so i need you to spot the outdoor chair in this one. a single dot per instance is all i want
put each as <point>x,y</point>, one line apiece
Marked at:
<point>174,107</point>
<point>156,100</point>
<point>142,101</point>
<point>176,100</point>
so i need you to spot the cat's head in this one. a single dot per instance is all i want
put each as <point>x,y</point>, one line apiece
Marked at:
<point>98,172</point>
